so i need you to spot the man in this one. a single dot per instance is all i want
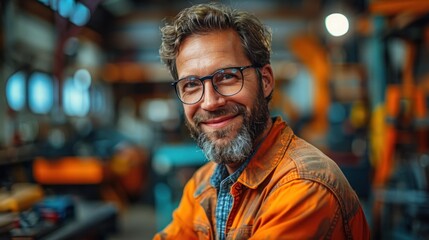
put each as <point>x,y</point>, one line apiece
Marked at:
<point>262,181</point>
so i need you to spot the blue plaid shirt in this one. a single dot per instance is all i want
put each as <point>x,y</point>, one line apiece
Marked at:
<point>223,182</point>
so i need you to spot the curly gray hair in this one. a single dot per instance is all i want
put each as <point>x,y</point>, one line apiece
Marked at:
<point>203,18</point>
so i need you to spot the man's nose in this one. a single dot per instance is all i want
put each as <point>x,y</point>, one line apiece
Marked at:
<point>211,99</point>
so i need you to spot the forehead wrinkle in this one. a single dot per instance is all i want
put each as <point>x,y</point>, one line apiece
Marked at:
<point>195,55</point>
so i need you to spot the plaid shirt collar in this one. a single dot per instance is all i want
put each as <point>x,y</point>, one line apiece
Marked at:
<point>221,173</point>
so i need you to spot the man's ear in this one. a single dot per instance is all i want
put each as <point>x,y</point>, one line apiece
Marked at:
<point>267,79</point>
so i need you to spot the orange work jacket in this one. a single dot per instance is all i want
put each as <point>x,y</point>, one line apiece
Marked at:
<point>289,190</point>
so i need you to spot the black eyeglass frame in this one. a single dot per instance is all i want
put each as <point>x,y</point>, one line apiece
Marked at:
<point>202,79</point>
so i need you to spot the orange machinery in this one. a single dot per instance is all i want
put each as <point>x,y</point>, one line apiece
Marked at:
<point>119,178</point>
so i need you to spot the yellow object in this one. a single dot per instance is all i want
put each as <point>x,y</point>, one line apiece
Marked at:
<point>21,197</point>
<point>358,115</point>
<point>377,134</point>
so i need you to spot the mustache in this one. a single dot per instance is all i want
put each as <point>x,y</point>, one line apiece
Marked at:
<point>205,116</point>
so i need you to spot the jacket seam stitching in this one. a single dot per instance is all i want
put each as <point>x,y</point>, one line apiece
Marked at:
<point>333,224</point>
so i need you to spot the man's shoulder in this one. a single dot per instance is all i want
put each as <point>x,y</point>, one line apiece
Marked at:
<point>312,164</point>
<point>307,157</point>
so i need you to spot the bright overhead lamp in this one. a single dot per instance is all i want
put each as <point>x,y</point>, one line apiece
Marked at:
<point>337,24</point>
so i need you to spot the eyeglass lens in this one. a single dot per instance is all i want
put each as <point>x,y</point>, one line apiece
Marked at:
<point>226,82</point>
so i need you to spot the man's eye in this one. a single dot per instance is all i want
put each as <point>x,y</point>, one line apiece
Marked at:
<point>229,76</point>
<point>190,85</point>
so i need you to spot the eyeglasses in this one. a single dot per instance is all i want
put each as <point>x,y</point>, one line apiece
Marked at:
<point>227,82</point>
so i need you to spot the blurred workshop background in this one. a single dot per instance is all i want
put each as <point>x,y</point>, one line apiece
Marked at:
<point>92,138</point>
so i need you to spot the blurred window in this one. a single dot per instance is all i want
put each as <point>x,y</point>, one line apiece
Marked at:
<point>76,101</point>
<point>40,93</point>
<point>15,91</point>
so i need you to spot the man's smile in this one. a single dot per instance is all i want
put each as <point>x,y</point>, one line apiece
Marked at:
<point>219,122</point>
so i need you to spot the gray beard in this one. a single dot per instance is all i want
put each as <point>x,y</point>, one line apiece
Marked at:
<point>242,146</point>
<point>236,151</point>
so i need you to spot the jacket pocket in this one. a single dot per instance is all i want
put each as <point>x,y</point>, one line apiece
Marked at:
<point>243,232</point>
<point>203,231</point>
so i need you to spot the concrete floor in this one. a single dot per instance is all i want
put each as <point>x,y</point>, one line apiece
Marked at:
<point>136,222</point>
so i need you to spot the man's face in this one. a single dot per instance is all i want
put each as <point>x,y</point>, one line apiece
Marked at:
<point>226,128</point>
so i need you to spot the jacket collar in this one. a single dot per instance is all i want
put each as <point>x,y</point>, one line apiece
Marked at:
<point>264,160</point>
<point>268,155</point>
